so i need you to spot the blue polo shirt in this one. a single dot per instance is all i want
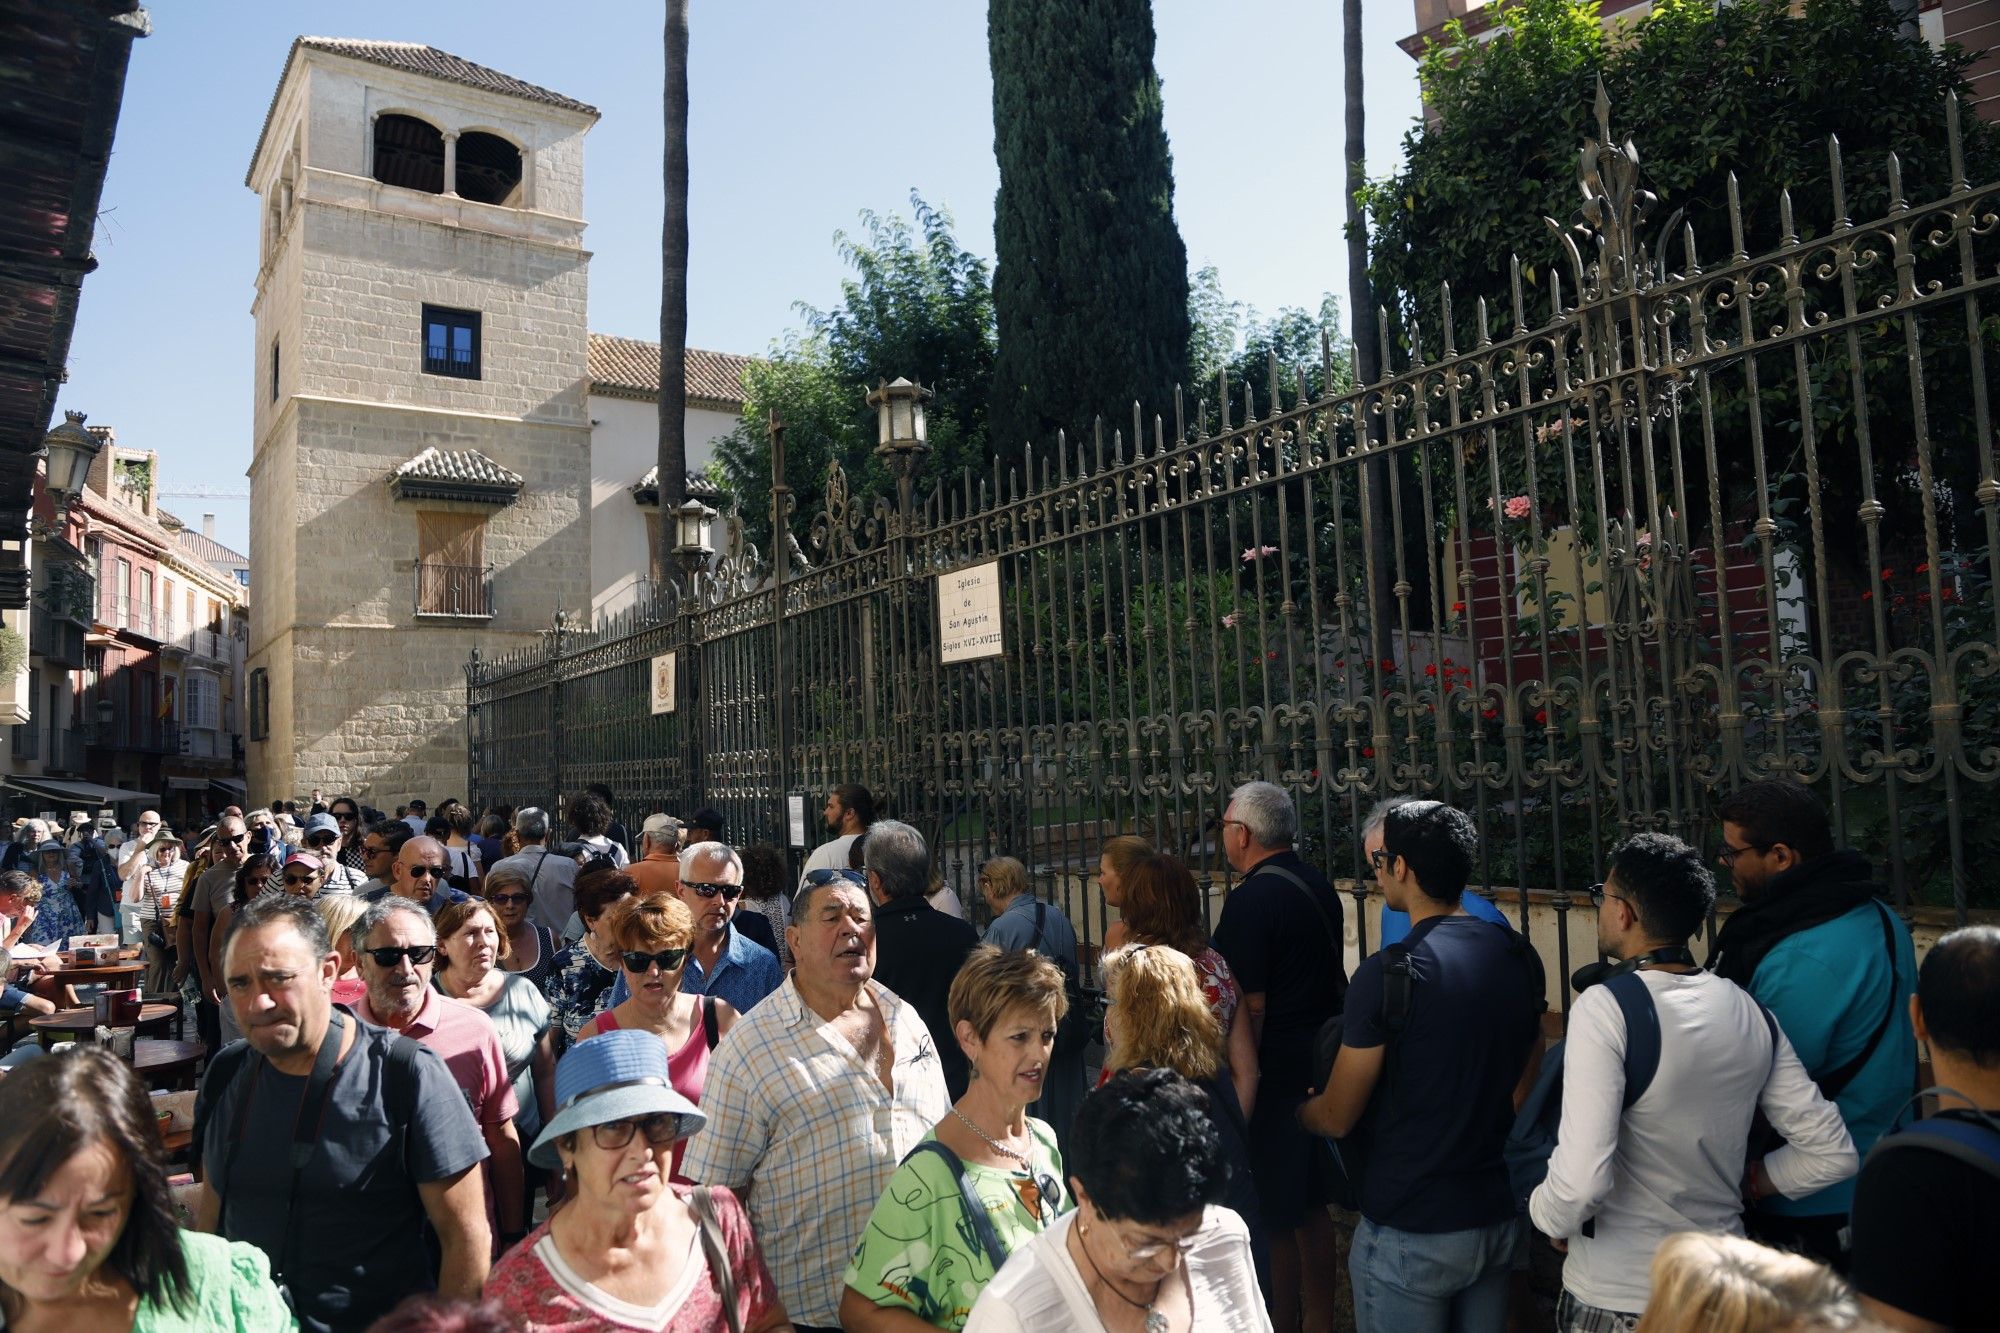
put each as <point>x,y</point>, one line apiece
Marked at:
<point>745,972</point>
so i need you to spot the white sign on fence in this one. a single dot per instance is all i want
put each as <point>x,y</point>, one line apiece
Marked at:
<point>663,683</point>
<point>969,613</point>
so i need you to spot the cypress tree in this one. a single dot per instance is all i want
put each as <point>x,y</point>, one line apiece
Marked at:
<point>1091,290</point>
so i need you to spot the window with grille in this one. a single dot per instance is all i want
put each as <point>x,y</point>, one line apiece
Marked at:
<point>451,564</point>
<point>451,342</point>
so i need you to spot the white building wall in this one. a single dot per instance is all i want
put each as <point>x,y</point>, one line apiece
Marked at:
<point>624,444</point>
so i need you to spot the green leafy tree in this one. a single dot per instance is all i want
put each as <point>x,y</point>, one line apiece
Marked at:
<point>1230,336</point>
<point>1091,288</point>
<point>917,304</point>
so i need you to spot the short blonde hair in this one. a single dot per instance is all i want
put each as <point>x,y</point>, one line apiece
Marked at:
<point>656,921</point>
<point>1164,1020</point>
<point>993,980</point>
<point>1726,1284</point>
<point>1007,876</point>
<point>340,911</point>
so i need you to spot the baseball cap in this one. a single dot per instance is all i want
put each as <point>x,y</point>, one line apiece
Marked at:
<point>321,823</point>
<point>656,825</point>
<point>707,817</point>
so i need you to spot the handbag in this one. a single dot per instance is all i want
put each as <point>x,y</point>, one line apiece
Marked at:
<point>717,1253</point>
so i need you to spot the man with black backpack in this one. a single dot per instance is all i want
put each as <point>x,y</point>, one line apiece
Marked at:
<point>1927,1205</point>
<point>1440,1029</point>
<point>1663,1067</point>
<point>1817,946</point>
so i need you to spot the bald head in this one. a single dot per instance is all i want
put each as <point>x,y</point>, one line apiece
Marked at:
<point>419,868</point>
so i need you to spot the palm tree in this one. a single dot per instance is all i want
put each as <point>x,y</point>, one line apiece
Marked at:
<point>674,282</point>
<point>1367,346</point>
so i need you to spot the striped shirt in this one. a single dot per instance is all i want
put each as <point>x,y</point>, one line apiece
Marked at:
<point>805,1131</point>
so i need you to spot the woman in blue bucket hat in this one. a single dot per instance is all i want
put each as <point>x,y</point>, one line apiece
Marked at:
<point>627,1248</point>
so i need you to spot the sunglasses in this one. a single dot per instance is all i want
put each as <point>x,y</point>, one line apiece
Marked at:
<point>509,899</point>
<point>291,880</point>
<point>422,871</point>
<point>668,959</point>
<point>660,1130</point>
<point>819,877</point>
<point>730,892</point>
<point>418,954</point>
<point>345,815</point>
<point>239,838</point>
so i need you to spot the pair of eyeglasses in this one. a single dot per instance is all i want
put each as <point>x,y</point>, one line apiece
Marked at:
<point>346,815</point>
<point>418,954</point>
<point>1727,856</point>
<point>668,959</point>
<point>509,899</point>
<point>1381,858</point>
<point>1596,892</point>
<point>660,1130</point>
<point>730,892</point>
<point>1042,1192</point>
<point>239,839</point>
<point>422,871</point>
<point>322,840</point>
<point>294,881</point>
<point>818,877</point>
<point>1146,1250</point>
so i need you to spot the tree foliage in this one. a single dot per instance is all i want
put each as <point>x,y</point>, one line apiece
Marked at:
<point>1091,288</point>
<point>1231,336</point>
<point>916,304</point>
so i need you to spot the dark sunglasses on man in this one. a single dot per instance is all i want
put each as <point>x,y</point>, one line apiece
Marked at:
<point>322,839</point>
<point>423,871</point>
<point>708,889</point>
<point>418,954</point>
<point>668,959</point>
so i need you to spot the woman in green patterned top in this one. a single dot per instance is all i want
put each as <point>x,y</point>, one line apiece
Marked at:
<point>926,1254</point>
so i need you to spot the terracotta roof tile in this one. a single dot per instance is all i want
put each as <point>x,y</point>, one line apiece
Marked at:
<point>461,467</point>
<point>633,366</point>
<point>698,486</point>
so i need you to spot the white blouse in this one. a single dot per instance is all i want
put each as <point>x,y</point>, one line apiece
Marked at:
<point>1040,1287</point>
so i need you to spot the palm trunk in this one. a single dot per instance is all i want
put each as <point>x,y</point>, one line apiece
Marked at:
<point>1381,546</point>
<point>674,282</point>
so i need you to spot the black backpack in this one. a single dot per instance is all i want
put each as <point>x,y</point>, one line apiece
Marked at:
<point>1973,1143</point>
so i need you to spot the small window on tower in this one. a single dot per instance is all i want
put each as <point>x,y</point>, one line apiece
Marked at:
<point>275,362</point>
<point>451,342</point>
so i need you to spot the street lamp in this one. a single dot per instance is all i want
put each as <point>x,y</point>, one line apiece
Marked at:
<point>691,535</point>
<point>901,437</point>
<point>70,450</point>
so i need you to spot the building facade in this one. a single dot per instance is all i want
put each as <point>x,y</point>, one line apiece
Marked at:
<point>426,471</point>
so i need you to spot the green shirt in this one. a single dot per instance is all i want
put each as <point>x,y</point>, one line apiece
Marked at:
<point>229,1291</point>
<point>921,1254</point>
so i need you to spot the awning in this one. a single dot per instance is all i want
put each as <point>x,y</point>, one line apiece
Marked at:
<point>88,793</point>
<point>187,784</point>
<point>236,787</point>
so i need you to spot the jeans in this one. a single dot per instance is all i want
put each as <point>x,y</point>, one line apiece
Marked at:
<point>1444,1282</point>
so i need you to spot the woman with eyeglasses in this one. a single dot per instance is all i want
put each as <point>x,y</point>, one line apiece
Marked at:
<point>1149,1245</point>
<point>471,949</point>
<point>531,949</point>
<point>654,936</point>
<point>628,1248</point>
<point>88,1238</point>
<point>985,1181</point>
<point>258,874</point>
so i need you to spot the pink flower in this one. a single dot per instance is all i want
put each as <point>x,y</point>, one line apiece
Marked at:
<point>1257,552</point>
<point>1229,621</point>
<point>1517,508</point>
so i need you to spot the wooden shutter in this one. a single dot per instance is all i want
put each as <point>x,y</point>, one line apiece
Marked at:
<point>451,562</point>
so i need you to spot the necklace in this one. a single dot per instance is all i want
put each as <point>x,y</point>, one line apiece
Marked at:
<point>992,1142</point>
<point>1155,1321</point>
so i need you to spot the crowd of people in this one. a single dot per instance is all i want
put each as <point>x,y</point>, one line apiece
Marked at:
<point>519,1070</point>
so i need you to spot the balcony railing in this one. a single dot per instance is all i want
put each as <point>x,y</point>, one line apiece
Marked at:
<point>133,734</point>
<point>56,639</point>
<point>462,591</point>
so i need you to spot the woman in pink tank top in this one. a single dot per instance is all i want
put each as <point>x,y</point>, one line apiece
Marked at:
<point>653,934</point>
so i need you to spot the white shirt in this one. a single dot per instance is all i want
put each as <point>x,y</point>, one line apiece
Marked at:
<point>946,901</point>
<point>1040,1287</point>
<point>1674,1161</point>
<point>829,856</point>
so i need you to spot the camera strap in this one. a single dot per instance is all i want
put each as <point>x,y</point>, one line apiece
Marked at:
<point>306,1126</point>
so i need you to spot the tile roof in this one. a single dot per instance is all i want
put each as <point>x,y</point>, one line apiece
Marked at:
<point>632,366</point>
<point>438,471</point>
<point>210,551</point>
<point>416,58</point>
<point>647,489</point>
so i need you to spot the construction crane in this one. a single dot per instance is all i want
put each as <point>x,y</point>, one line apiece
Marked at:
<point>204,493</point>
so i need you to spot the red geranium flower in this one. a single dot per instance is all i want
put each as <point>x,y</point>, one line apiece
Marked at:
<point>1541,715</point>
<point>1430,669</point>
<point>1367,752</point>
<point>1924,568</point>
<point>1490,714</point>
<point>1388,664</point>
<point>1868,596</point>
<point>1888,574</point>
<point>1458,608</point>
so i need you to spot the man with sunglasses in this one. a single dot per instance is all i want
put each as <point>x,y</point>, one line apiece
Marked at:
<point>418,875</point>
<point>194,931</point>
<point>724,962</point>
<point>395,943</point>
<point>1815,941</point>
<point>322,838</point>
<point>337,1200</point>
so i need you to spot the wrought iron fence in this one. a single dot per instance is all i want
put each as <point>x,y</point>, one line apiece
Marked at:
<point>1580,576</point>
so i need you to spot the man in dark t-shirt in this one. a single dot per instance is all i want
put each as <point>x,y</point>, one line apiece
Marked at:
<point>918,949</point>
<point>1280,933</point>
<point>1926,1224</point>
<point>1438,1099</point>
<point>396,1145</point>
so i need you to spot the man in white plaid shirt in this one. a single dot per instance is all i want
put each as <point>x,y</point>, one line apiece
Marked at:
<point>813,1098</point>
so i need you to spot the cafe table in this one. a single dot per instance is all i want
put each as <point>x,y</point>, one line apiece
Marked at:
<point>79,1024</point>
<point>168,1064</point>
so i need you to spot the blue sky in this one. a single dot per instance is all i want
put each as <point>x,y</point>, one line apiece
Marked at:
<point>802,114</point>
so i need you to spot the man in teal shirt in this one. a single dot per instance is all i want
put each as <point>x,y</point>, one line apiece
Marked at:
<point>1814,942</point>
